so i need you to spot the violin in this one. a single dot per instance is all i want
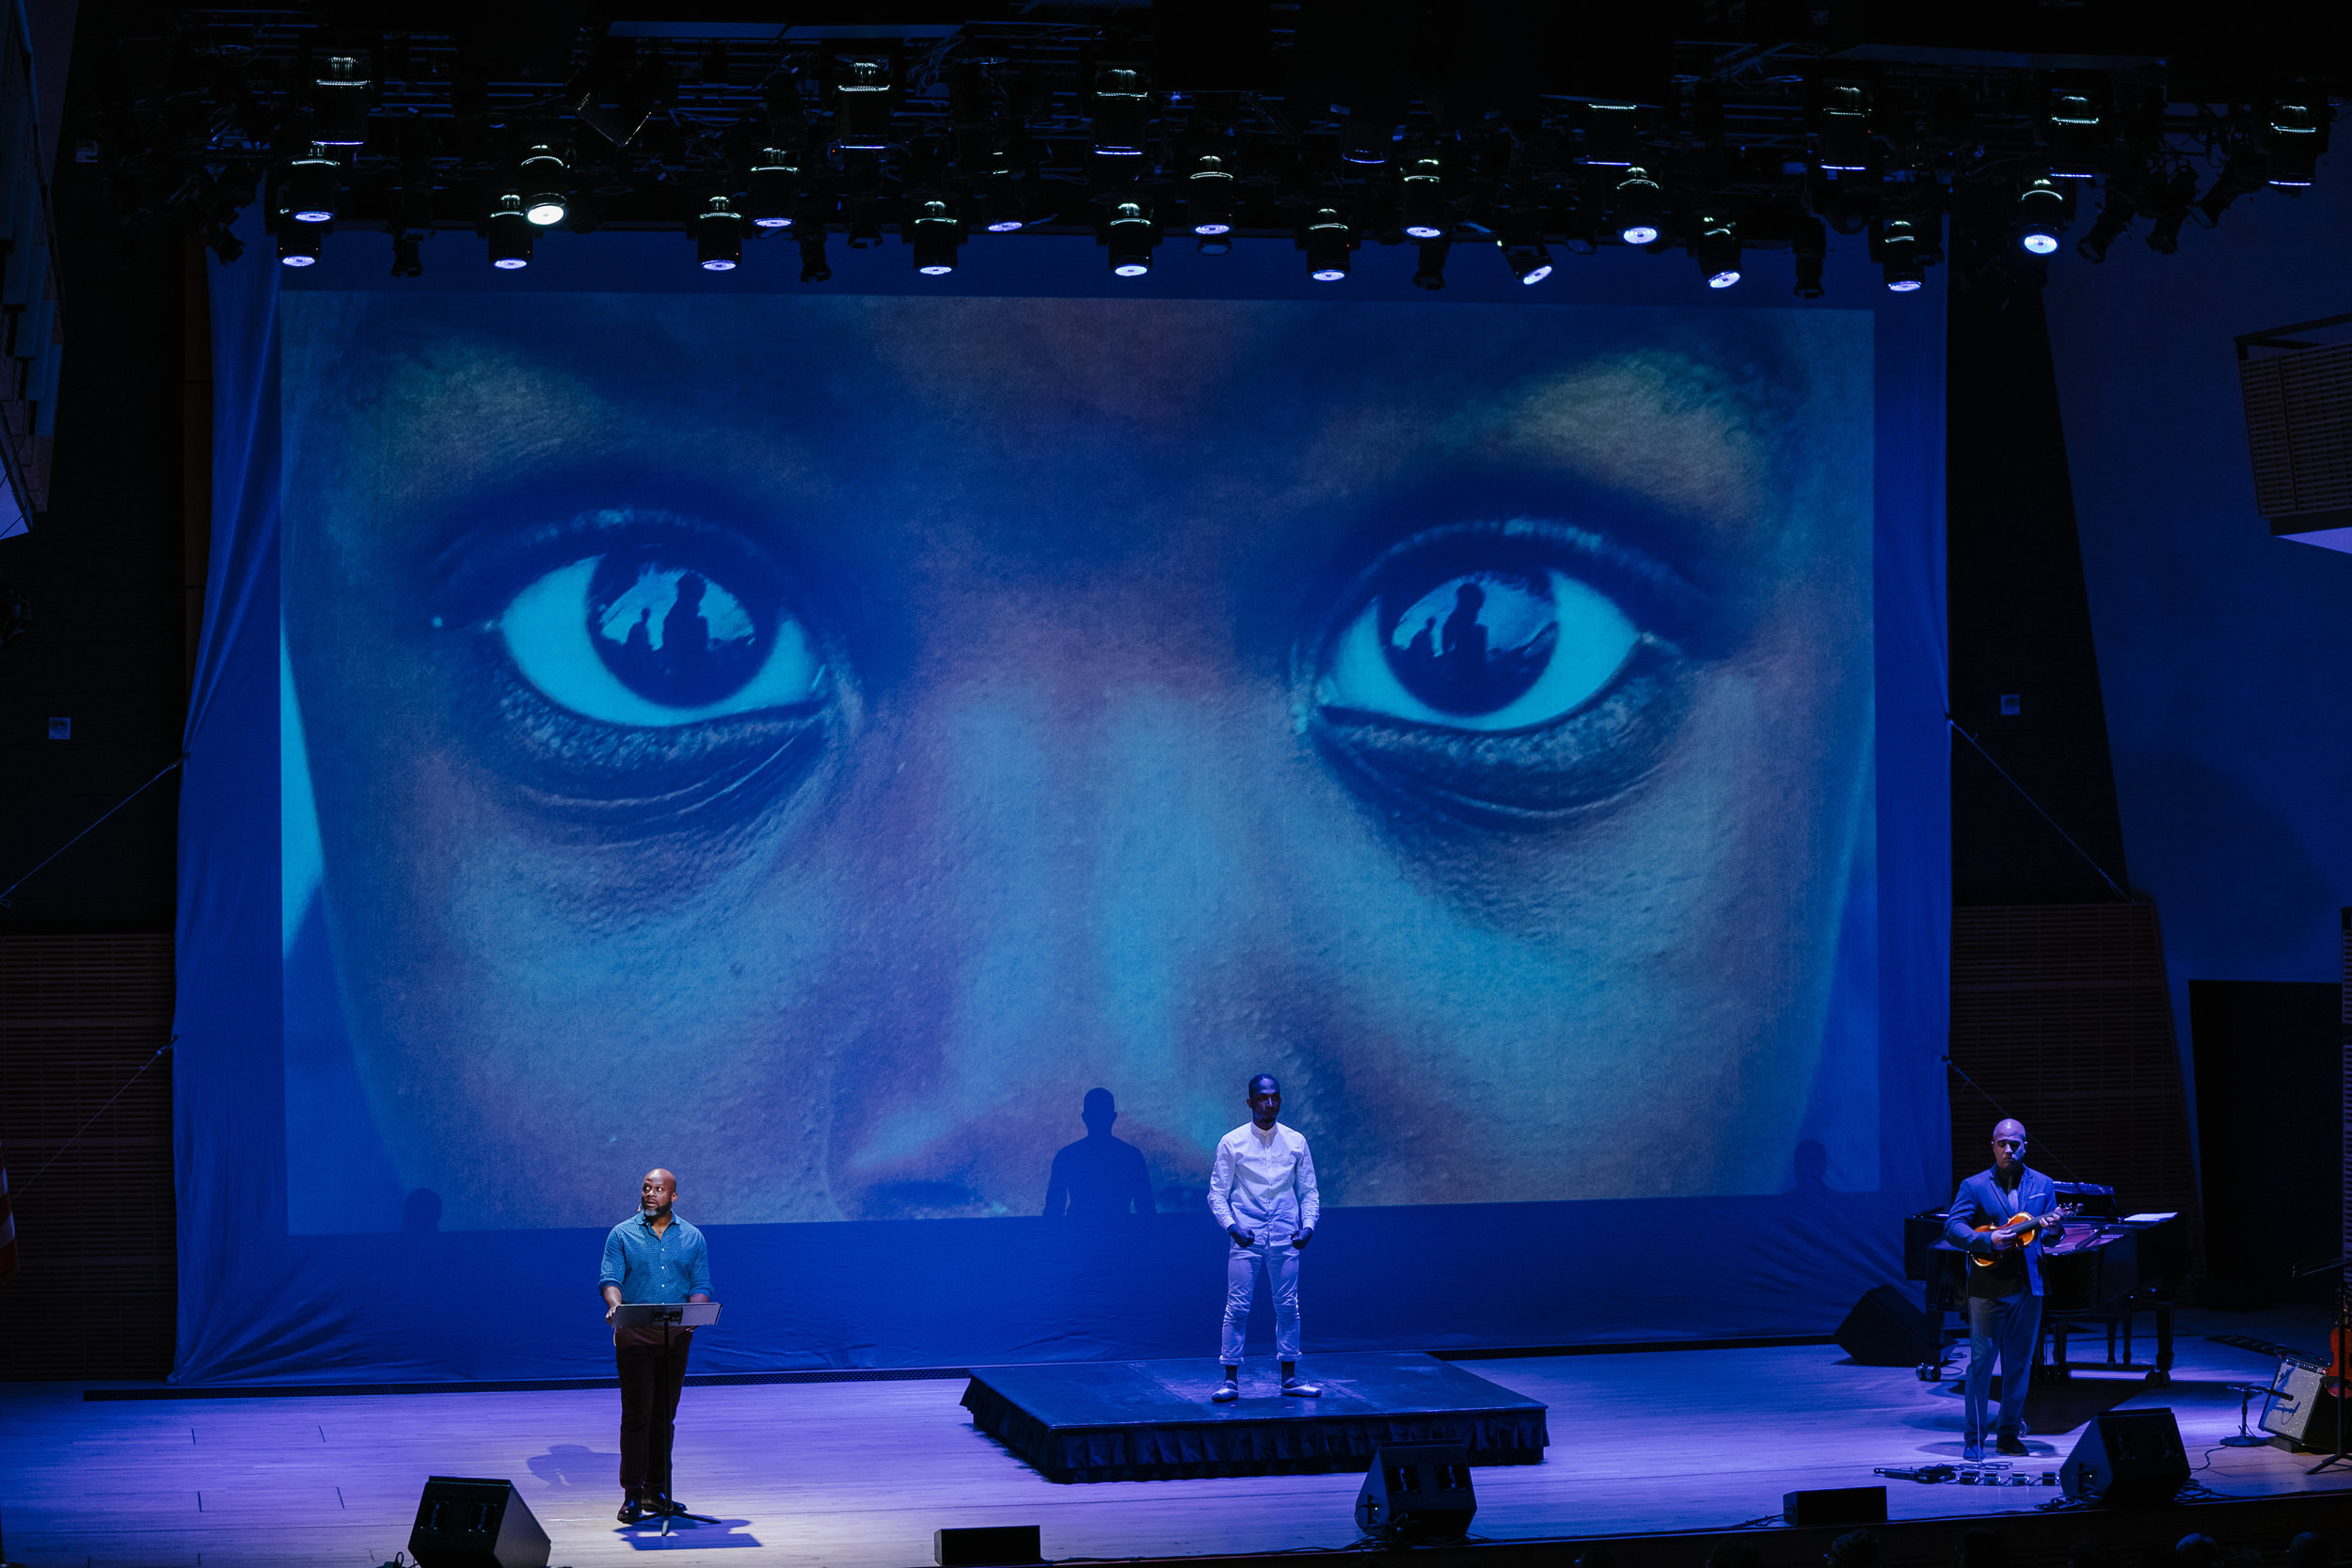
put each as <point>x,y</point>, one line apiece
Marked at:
<point>2022,1225</point>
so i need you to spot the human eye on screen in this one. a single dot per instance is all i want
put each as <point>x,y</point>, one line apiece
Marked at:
<point>640,667</point>
<point>1505,672</point>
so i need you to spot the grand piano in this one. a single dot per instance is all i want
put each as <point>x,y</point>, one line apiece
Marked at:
<point>2106,1268</point>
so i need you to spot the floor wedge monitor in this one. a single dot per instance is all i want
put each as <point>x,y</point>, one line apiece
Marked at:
<point>2127,1459</point>
<point>1417,1492</point>
<point>467,1522</point>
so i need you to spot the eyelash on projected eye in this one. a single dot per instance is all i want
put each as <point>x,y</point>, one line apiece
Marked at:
<point>713,760</point>
<point>1547,766</point>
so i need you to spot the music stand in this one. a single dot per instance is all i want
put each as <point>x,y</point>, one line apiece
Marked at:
<point>667,1315</point>
<point>2337,1351</point>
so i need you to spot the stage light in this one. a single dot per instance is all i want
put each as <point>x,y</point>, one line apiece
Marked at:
<point>1430,273</point>
<point>546,181</point>
<point>1718,251</point>
<point>861,104</point>
<point>935,235</point>
<point>338,101</point>
<point>2114,220</point>
<point>1002,200</point>
<point>1900,261</point>
<point>1327,242</point>
<point>1365,140</point>
<point>1209,190</point>
<point>407,256</point>
<point>1638,205</point>
<point>2041,215</point>
<point>2071,132</point>
<point>813,267</point>
<point>1422,200</point>
<point>1809,244</point>
<point>771,191</point>
<point>1841,129</point>
<point>1523,249</point>
<point>2294,137</point>
<point>509,232</point>
<point>1130,233</point>
<point>2169,210</point>
<point>1609,136</point>
<point>309,191</point>
<point>299,243</point>
<point>2244,170</point>
<point>1121,105</point>
<point>719,235</point>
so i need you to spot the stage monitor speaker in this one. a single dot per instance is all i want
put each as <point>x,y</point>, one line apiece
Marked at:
<point>2127,1459</point>
<point>467,1522</point>
<point>987,1546</point>
<point>2299,1408</point>
<point>1417,1492</point>
<point>1834,1505</point>
<point>1885,1330</point>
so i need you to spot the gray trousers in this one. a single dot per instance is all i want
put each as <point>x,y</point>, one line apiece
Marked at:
<point>1278,1262</point>
<point>2011,1327</point>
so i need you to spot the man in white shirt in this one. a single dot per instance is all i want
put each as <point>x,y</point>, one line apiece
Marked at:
<point>1262,1189</point>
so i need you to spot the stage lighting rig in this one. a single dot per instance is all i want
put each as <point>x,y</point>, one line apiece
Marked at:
<point>1129,234</point>
<point>509,234</point>
<point>2295,134</point>
<point>2169,209</point>
<point>1717,248</point>
<point>2113,222</point>
<point>1612,135</point>
<point>545,178</point>
<point>864,95</point>
<point>2042,209</point>
<point>1209,191</point>
<point>1841,127</point>
<point>2072,123</point>
<point>339,89</point>
<point>312,181</point>
<point>718,236</point>
<point>1808,245</point>
<point>299,243</point>
<point>813,267</point>
<point>1327,238</point>
<point>1421,197</point>
<point>1121,105</point>
<point>1637,208</point>
<point>1429,272</point>
<point>936,237</point>
<point>1901,256</point>
<point>772,188</point>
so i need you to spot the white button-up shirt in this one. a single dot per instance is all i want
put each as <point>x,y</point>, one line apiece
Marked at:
<point>1264,1178</point>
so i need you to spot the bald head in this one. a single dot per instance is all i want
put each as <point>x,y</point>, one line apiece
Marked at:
<point>2009,1146</point>
<point>656,1193</point>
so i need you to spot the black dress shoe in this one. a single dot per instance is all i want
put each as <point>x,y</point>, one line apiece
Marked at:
<point>2011,1443</point>
<point>632,1509</point>
<point>657,1505</point>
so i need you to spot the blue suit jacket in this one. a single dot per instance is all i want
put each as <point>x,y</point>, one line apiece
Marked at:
<point>1982,1201</point>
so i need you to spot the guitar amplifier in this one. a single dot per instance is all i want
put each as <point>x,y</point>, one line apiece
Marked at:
<point>2299,1408</point>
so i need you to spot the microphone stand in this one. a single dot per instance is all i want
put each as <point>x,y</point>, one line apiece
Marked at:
<point>2338,1349</point>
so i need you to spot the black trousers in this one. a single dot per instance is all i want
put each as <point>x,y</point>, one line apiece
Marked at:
<point>649,1409</point>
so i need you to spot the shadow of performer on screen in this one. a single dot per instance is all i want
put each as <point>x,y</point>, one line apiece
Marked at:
<point>1099,1176</point>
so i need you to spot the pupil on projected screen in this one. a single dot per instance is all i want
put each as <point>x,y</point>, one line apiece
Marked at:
<point>669,633</point>
<point>1474,644</point>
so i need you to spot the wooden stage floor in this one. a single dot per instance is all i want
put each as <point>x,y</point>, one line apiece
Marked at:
<point>857,1475</point>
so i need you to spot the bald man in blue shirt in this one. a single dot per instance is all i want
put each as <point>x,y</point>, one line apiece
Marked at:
<point>651,1257</point>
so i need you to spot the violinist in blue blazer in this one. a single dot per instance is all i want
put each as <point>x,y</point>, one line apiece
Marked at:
<point>2000,1218</point>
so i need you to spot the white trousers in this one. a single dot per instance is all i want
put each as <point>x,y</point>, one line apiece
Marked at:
<point>1278,1261</point>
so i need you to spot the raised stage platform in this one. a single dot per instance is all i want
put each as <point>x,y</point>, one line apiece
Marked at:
<point>1154,1420</point>
<point>1656,1453</point>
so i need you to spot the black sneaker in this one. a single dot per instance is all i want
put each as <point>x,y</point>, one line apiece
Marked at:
<point>2011,1442</point>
